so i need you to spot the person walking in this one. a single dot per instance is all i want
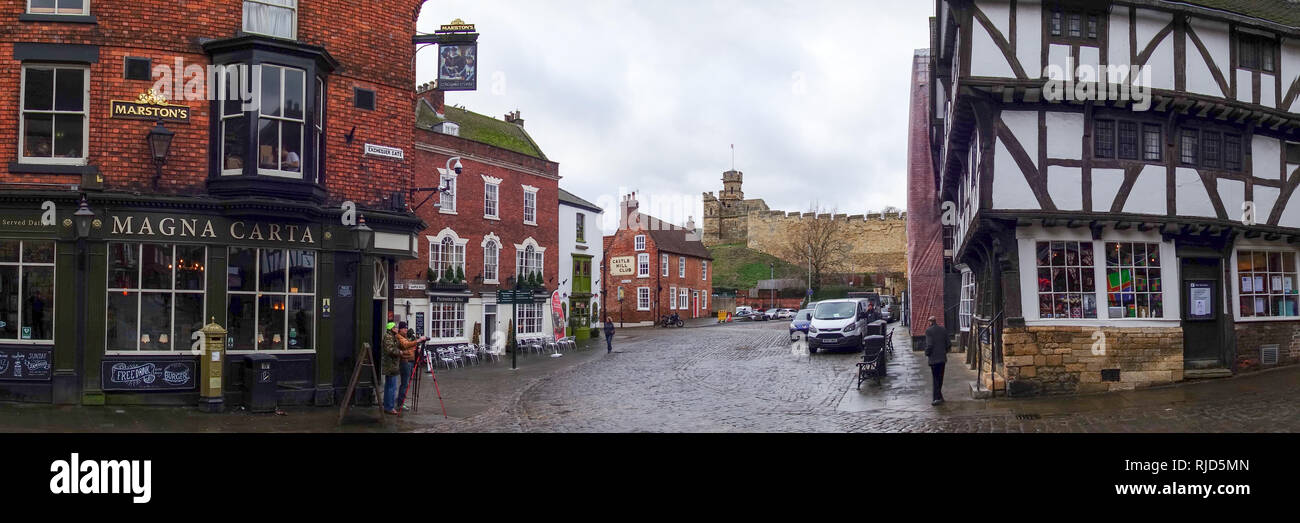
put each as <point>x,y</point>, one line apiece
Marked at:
<point>936,351</point>
<point>609,335</point>
<point>390,360</point>
<point>408,348</point>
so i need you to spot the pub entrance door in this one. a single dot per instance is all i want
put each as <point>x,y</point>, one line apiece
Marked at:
<point>1202,313</point>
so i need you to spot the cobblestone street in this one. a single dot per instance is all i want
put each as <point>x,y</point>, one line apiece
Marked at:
<point>739,377</point>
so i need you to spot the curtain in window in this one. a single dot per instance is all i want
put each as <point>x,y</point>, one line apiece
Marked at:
<point>270,17</point>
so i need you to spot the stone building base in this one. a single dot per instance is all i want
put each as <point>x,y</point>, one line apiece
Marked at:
<point>1253,336</point>
<point>1041,360</point>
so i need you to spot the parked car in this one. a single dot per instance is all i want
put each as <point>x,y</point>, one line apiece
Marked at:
<point>838,324</point>
<point>772,314</point>
<point>802,319</point>
<point>786,314</point>
<point>744,310</point>
<point>889,313</point>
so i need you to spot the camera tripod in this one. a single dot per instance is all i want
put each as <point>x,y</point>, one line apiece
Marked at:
<point>422,357</point>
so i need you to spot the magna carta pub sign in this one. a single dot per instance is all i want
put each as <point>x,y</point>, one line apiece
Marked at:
<point>210,229</point>
<point>150,106</point>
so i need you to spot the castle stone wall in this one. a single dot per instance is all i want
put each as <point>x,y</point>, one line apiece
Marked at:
<point>878,245</point>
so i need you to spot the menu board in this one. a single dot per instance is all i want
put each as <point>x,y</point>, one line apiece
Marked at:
<point>25,364</point>
<point>148,374</point>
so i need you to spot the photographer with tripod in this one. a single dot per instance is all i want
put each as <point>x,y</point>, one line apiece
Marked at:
<point>408,349</point>
<point>398,358</point>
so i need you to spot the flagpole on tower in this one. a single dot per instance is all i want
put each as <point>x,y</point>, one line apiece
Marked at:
<point>733,156</point>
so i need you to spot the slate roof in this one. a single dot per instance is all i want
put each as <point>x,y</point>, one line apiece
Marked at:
<point>570,199</point>
<point>480,128</point>
<point>1277,11</point>
<point>671,238</point>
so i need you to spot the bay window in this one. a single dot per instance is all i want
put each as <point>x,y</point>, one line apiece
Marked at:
<point>529,319</point>
<point>1066,280</point>
<point>447,321</point>
<point>1266,284</point>
<point>53,127</point>
<point>1133,280</point>
<point>26,291</point>
<point>155,296</point>
<point>281,121</point>
<point>271,299</point>
<point>278,18</point>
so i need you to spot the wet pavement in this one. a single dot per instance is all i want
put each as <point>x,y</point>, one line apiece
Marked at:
<point>737,377</point>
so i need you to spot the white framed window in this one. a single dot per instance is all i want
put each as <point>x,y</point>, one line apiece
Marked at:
<point>447,321</point>
<point>53,127</point>
<point>530,205</point>
<point>643,265</point>
<point>281,121</point>
<point>643,298</point>
<point>638,243</point>
<point>491,197</point>
<point>681,266</point>
<point>446,250</point>
<point>704,300</point>
<point>234,122</point>
<point>529,319</point>
<point>491,258</point>
<point>684,298</point>
<point>271,299</point>
<point>1266,283</point>
<point>672,293</point>
<point>27,291</point>
<point>155,296</point>
<point>966,306</point>
<point>704,270</point>
<point>1134,286</point>
<point>580,228</point>
<point>447,200</point>
<point>58,7</point>
<point>278,18</point>
<point>1066,279</point>
<point>663,265</point>
<point>529,258</point>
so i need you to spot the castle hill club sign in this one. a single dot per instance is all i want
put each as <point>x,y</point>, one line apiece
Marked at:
<point>210,229</point>
<point>149,106</point>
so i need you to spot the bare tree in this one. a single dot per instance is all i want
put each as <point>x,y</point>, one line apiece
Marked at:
<point>819,243</point>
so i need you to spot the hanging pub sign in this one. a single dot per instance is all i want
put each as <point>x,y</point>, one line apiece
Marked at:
<point>149,106</point>
<point>458,66</point>
<point>148,374</point>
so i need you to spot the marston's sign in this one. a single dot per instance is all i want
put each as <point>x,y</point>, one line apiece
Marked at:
<point>149,106</point>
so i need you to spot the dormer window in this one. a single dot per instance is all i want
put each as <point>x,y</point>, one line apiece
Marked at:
<point>278,18</point>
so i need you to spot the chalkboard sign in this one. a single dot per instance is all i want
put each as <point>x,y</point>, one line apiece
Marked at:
<point>148,374</point>
<point>26,364</point>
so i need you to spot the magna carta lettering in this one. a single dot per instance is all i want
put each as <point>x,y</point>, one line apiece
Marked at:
<point>210,228</point>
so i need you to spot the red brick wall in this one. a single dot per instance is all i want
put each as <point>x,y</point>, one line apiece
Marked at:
<point>366,37</point>
<point>469,223</point>
<point>622,243</point>
<point>924,231</point>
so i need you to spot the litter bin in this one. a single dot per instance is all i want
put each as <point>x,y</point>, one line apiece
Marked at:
<point>259,383</point>
<point>876,328</point>
<point>873,346</point>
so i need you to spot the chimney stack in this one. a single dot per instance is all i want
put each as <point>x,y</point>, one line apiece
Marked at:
<point>627,207</point>
<point>513,117</point>
<point>435,97</point>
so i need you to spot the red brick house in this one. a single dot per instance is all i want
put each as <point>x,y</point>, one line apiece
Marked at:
<point>248,223</point>
<point>654,268</point>
<point>496,225</point>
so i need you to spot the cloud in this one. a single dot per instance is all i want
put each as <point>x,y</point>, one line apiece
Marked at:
<point>648,96</point>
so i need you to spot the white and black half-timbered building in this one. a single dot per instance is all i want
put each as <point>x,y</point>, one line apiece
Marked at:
<point>1122,179</point>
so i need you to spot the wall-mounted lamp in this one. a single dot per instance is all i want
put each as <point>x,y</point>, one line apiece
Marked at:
<point>83,217</point>
<point>160,142</point>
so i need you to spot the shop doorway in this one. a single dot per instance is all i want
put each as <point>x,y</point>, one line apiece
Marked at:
<point>1202,313</point>
<point>489,324</point>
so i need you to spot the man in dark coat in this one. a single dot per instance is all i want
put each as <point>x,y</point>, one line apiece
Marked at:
<point>609,335</point>
<point>936,351</point>
<point>872,313</point>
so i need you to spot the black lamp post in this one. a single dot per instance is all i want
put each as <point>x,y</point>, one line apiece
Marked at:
<point>160,142</point>
<point>364,234</point>
<point>83,218</point>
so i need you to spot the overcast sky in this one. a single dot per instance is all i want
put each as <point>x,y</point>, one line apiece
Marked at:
<point>648,96</point>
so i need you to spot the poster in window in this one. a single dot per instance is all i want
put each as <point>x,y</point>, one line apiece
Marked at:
<point>1200,301</point>
<point>1287,285</point>
<point>1260,306</point>
<point>458,67</point>
<point>1259,284</point>
<point>1277,283</point>
<point>1089,306</point>
<point>1245,284</point>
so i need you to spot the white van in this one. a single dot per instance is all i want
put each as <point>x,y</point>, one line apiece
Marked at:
<point>839,324</point>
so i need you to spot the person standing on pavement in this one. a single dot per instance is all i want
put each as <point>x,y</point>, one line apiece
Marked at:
<point>609,335</point>
<point>390,359</point>
<point>936,351</point>
<point>872,313</point>
<point>408,360</point>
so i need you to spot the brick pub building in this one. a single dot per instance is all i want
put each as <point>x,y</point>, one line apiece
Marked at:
<point>654,268</point>
<point>927,253</point>
<point>245,222</point>
<point>496,225</point>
